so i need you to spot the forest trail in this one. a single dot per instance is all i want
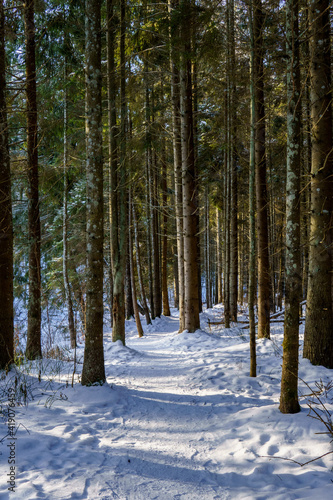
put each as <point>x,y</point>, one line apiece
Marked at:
<point>179,418</point>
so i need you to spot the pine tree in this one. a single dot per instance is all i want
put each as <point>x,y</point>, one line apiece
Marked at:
<point>33,349</point>
<point>318,339</point>
<point>93,366</point>
<point>6,226</point>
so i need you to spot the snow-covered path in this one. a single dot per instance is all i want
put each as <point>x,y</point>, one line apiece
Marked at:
<point>179,418</point>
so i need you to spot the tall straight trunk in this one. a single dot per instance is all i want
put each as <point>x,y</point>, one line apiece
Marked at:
<point>289,393</point>
<point>226,216</point>
<point>219,256</point>
<point>149,188</point>
<point>264,292</point>
<point>207,252</point>
<point>129,310</point>
<point>138,265</point>
<point>131,259</point>
<point>93,365</point>
<point>33,349</point>
<point>252,229</point>
<point>155,239</point>
<point>68,293</point>
<point>112,144</point>
<point>196,149</point>
<point>6,224</point>
<point>318,339</point>
<point>177,154</point>
<point>191,296</point>
<point>118,202</point>
<point>164,259</point>
<point>233,166</point>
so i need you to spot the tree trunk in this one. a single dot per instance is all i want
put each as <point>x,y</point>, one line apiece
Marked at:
<point>155,240</point>
<point>177,155</point>
<point>289,391</point>
<point>207,252</point>
<point>264,292</point>
<point>164,260</point>
<point>252,230</point>
<point>93,365</point>
<point>118,202</point>
<point>68,293</point>
<point>233,165</point>
<point>191,295</point>
<point>129,309</point>
<point>219,257</point>
<point>138,265</point>
<point>318,339</point>
<point>33,349</point>
<point>6,224</point>
<point>134,296</point>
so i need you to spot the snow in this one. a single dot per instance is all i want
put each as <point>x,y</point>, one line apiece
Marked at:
<point>179,418</point>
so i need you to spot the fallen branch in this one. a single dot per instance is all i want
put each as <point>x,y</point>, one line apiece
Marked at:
<point>295,461</point>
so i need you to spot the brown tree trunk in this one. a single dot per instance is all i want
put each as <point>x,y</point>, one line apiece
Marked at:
<point>33,349</point>
<point>138,265</point>
<point>191,295</point>
<point>6,225</point>
<point>264,292</point>
<point>318,338</point>
<point>117,175</point>
<point>68,293</point>
<point>134,296</point>
<point>164,260</point>
<point>177,154</point>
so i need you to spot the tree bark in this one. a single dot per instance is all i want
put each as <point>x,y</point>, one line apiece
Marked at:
<point>6,224</point>
<point>191,295</point>
<point>252,202</point>
<point>177,154</point>
<point>33,349</point>
<point>131,259</point>
<point>264,292</point>
<point>138,265</point>
<point>118,195</point>
<point>318,339</point>
<point>289,387</point>
<point>68,293</point>
<point>93,365</point>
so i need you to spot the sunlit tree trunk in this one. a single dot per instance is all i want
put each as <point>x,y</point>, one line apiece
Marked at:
<point>93,365</point>
<point>252,231</point>
<point>191,295</point>
<point>6,225</point>
<point>219,256</point>
<point>139,270</point>
<point>289,395</point>
<point>177,154</point>
<point>68,293</point>
<point>264,291</point>
<point>33,349</point>
<point>117,175</point>
<point>233,165</point>
<point>164,259</point>
<point>318,339</point>
<point>131,259</point>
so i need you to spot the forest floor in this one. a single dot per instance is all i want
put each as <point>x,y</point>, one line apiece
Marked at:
<point>179,418</point>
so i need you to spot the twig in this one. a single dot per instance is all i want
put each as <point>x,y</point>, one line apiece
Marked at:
<point>295,461</point>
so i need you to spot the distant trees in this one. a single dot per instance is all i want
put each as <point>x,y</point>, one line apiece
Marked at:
<point>198,129</point>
